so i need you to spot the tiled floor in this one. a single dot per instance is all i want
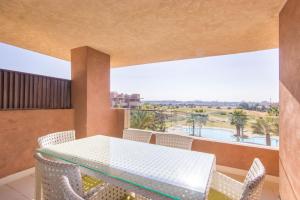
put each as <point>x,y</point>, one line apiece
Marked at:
<point>23,189</point>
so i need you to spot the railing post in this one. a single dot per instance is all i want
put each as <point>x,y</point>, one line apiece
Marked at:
<point>126,118</point>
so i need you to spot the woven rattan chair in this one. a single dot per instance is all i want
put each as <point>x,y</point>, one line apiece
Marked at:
<point>56,138</point>
<point>173,140</point>
<point>67,190</point>
<point>137,135</point>
<point>250,189</point>
<point>66,136</point>
<point>107,192</point>
<point>51,172</point>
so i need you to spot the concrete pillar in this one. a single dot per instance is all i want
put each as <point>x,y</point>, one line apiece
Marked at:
<point>91,94</point>
<point>289,151</point>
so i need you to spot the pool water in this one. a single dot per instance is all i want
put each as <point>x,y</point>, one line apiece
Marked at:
<point>227,135</point>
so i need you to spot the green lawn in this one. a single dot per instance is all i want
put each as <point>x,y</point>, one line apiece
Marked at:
<point>219,117</point>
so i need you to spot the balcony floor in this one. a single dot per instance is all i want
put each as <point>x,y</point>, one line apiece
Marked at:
<point>23,189</point>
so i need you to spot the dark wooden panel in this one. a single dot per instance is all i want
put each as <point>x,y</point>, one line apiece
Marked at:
<point>27,91</point>
<point>44,92</point>
<point>61,100</point>
<point>48,92</point>
<point>22,90</point>
<point>58,94</point>
<point>16,91</point>
<point>5,89</point>
<point>31,91</point>
<point>51,93</point>
<point>69,102</point>
<point>11,90</point>
<point>65,94</point>
<point>35,91</point>
<point>55,94</point>
<point>39,92</point>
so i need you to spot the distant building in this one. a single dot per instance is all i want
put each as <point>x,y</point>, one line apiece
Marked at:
<point>120,100</point>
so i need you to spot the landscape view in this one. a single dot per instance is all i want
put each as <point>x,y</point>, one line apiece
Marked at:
<point>248,122</point>
<point>231,98</point>
<point>238,94</point>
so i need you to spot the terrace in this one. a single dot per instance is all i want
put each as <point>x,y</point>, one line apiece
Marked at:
<point>96,36</point>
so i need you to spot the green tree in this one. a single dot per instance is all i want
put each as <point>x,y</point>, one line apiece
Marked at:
<point>276,126</point>
<point>148,119</point>
<point>199,120</point>
<point>199,110</point>
<point>141,119</point>
<point>266,125</point>
<point>159,121</point>
<point>273,111</point>
<point>238,118</point>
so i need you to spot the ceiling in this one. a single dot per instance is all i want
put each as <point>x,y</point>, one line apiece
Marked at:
<point>141,31</point>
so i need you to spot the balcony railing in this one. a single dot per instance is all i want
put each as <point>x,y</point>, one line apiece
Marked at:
<point>199,124</point>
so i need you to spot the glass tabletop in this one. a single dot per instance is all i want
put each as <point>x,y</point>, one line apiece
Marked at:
<point>171,172</point>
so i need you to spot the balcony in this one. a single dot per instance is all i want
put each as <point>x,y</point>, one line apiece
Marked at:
<point>98,35</point>
<point>208,123</point>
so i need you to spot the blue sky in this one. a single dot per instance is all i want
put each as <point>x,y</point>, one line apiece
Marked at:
<point>252,76</point>
<point>18,59</point>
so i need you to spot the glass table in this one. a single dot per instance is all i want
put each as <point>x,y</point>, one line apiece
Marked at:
<point>153,171</point>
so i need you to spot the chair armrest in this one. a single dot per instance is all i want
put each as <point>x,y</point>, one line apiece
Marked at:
<point>226,185</point>
<point>67,189</point>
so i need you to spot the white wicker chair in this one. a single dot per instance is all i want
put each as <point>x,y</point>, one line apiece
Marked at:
<point>173,140</point>
<point>56,138</point>
<point>51,172</point>
<point>250,189</point>
<point>137,135</point>
<point>67,190</point>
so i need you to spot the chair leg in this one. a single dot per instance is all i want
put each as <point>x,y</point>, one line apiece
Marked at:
<point>38,184</point>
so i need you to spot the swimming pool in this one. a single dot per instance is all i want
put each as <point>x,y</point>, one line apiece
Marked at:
<point>225,135</point>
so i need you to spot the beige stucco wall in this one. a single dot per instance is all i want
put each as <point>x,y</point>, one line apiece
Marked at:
<point>289,44</point>
<point>239,155</point>
<point>91,94</point>
<point>19,131</point>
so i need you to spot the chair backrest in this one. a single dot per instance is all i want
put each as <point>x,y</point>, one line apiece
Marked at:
<point>253,183</point>
<point>51,171</point>
<point>67,190</point>
<point>56,138</point>
<point>137,135</point>
<point>173,140</point>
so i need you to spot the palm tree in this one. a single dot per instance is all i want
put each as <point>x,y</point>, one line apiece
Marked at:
<point>141,119</point>
<point>239,119</point>
<point>273,111</point>
<point>159,121</point>
<point>266,125</point>
<point>199,120</point>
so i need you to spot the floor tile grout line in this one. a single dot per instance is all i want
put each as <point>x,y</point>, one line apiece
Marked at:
<point>11,187</point>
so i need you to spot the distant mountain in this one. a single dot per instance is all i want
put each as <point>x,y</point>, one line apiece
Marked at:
<point>207,103</point>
